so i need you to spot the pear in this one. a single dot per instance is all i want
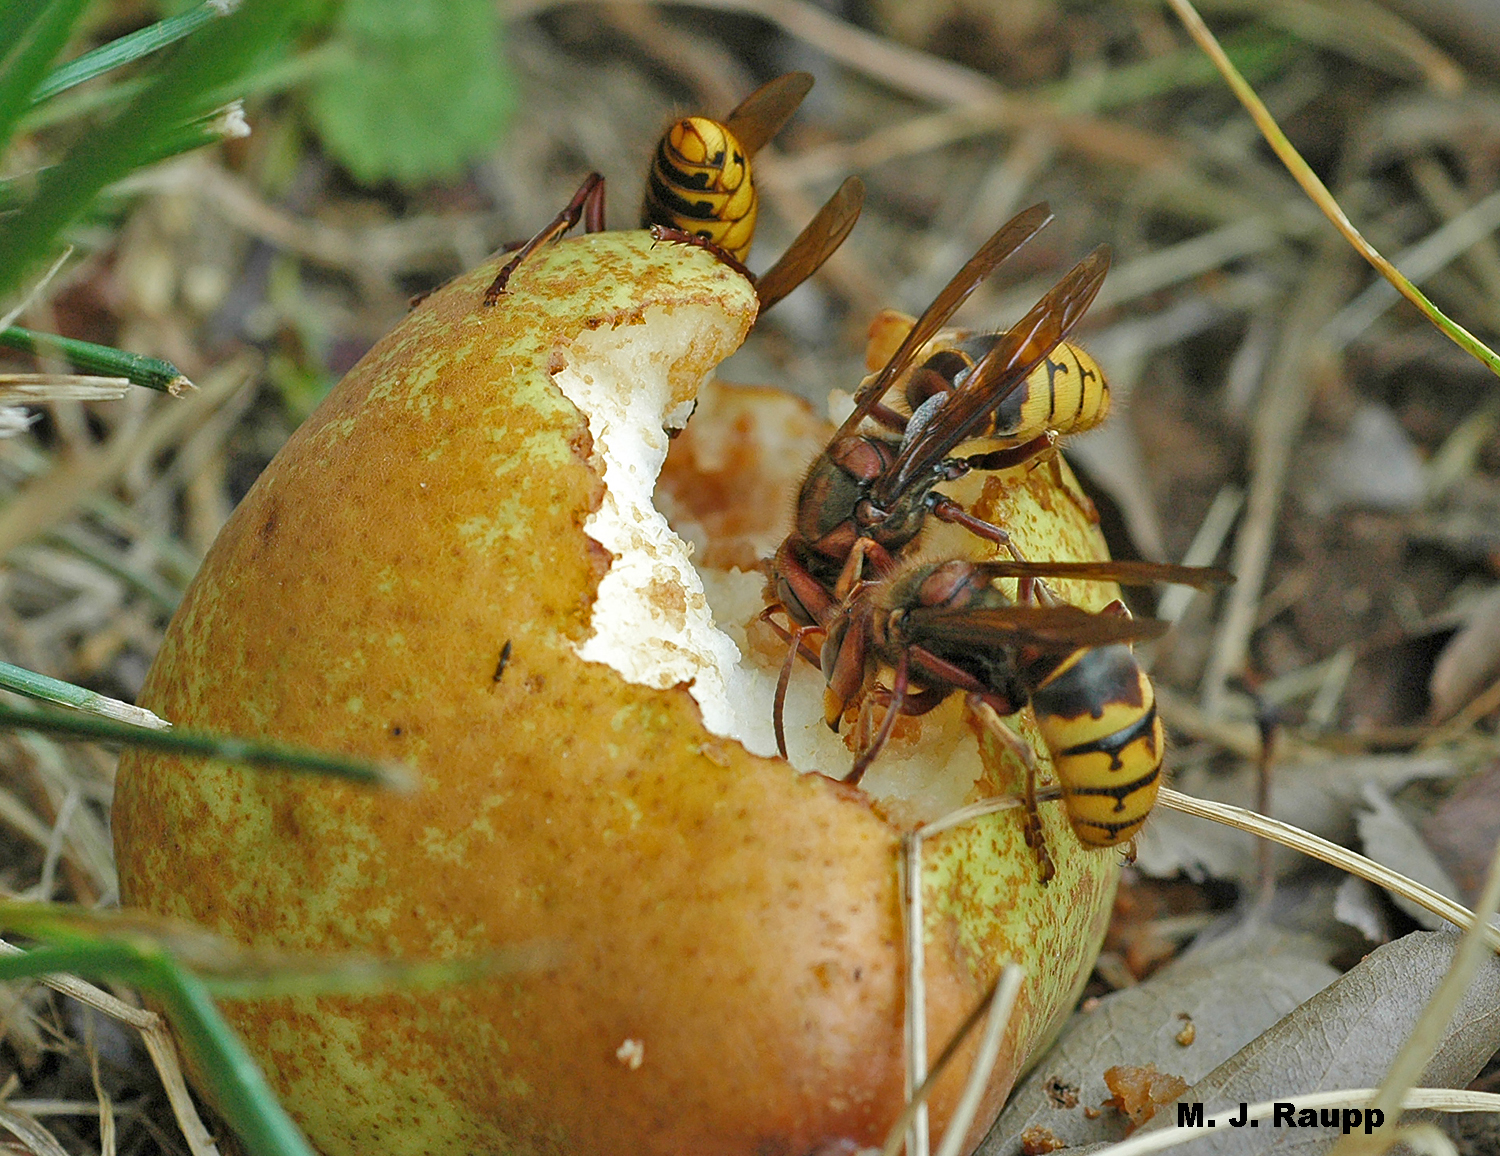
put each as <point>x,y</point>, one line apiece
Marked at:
<point>455,562</point>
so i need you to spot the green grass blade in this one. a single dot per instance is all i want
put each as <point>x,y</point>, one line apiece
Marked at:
<point>1257,51</point>
<point>126,50</point>
<point>149,372</point>
<point>15,18</point>
<point>239,1090</point>
<point>11,192</point>
<point>1318,192</point>
<point>223,748</point>
<point>231,971</point>
<point>31,46</point>
<point>19,680</point>
<point>224,123</point>
<point>83,102</point>
<point>238,1087</point>
<point>206,64</point>
<point>268,76</point>
<point>101,958</point>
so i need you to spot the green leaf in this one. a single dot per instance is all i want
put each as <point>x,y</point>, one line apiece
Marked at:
<point>126,50</point>
<point>39,686</point>
<point>423,90</point>
<point>150,372</point>
<point>32,33</point>
<point>190,84</point>
<point>232,1078</point>
<point>224,748</point>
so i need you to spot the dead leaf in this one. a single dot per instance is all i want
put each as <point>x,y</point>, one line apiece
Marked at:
<point>1347,1035</point>
<point>1469,662</point>
<point>1233,987</point>
<point>1464,830</point>
<point>1358,905</point>
<point>1375,466</point>
<point>1390,839</point>
<point>1320,797</point>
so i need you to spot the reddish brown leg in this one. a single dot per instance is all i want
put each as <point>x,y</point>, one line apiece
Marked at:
<point>1035,590</point>
<point>809,655</point>
<point>593,204</point>
<point>852,576</point>
<point>845,663</point>
<point>867,754</point>
<point>802,596</point>
<point>779,703</point>
<point>947,510</point>
<point>587,205</point>
<point>918,702</point>
<point>1032,817</point>
<point>682,237</point>
<point>864,729</point>
<point>888,417</point>
<point>1027,589</point>
<point>1014,455</point>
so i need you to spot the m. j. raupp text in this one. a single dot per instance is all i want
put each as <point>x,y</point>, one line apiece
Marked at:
<point>1285,1114</point>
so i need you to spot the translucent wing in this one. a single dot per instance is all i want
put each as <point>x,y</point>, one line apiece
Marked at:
<point>1125,573</point>
<point>1043,627</point>
<point>814,245</point>
<point>1006,364</point>
<point>758,117</point>
<point>1012,235</point>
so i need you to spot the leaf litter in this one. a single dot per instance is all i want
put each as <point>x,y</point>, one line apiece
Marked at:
<point>1269,972</point>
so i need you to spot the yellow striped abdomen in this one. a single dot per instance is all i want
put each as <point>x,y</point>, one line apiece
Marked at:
<point>1097,713</point>
<point>700,183</point>
<point>1066,394</point>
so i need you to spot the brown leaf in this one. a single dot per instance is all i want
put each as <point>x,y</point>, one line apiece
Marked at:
<point>1470,661</point>
<point>1346,1037</point>
<point>1233,988</point>
<point>1464,829</point>
<point>1390,839</point>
